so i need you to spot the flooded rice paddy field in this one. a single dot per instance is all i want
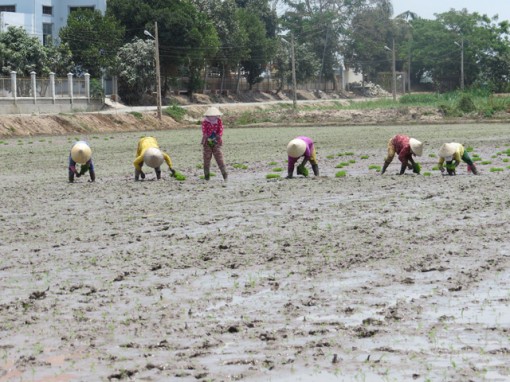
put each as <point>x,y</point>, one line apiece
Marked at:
<point>356,278</point>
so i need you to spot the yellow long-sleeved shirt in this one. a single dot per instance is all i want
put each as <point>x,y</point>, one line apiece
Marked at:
<point>457,156</point>
<point>143,144</point>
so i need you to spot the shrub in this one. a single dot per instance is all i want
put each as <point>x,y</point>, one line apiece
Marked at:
<point>175,111</point>
<point>466,104</point>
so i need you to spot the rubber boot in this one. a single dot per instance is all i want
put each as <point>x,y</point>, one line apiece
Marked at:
<point>158,173</point>
<point>71,177</point>
<point>224,173</point>
<point>474,170</point>
<point>385,166</point>
<point>207,176</point>
<point>92,176</point>
<point>315,168</point>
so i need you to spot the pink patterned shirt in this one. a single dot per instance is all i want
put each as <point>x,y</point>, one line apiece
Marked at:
<point>212,125</point>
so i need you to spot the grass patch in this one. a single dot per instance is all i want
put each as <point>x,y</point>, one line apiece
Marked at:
<point>341,174</point>
<point>273,176</point>
<point>136,114</point>
<point>175,111</point>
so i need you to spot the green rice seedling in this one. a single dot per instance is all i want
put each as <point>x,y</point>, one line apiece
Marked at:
<point>345,164</point>
<point>416,168</point>
<point>352,161</point>
<point>486,162</point>
<point>435,168</point>
<point>374,167</point>
<point>506,160</point>
<point>178,176</point>
<point>330,157</point>
<point>241,166</point>
<point>272,176</point>
<point>476,159</point>
<point>341,174</point>
<point>508,167</point>
<point>364,157</point>
<point>497,169</point>
<point>199,166</point>
<point>277,169</point>
<point>494,156</point>
<point>432,155</point>
<point>450,166</point>
<point>302,170</point>
<point>340,165</point>
<point>349,153</point>
<point>469,149</point>
<point>426,173</point>
<point>340,154</point>
<point>273,163</point>
<point>211,174</point>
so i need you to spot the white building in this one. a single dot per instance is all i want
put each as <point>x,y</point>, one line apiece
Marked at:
<point>42,18</point>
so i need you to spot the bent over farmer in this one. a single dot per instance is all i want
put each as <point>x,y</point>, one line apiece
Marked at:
<point>149,153</point>
<point>81,154</point>
<point>301,147</point>
<point>212,141</point>
<point>453,153</point>
<point>405,147</point>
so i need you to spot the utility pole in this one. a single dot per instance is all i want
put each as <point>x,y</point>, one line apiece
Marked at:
<point>294,86</point>
<point>461,46</point>
<point>158,72</point>
<point>394,70</point>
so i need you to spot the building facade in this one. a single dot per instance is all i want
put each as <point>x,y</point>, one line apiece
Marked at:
<point>42,18</point>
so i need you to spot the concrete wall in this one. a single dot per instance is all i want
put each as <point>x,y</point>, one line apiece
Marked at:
<point>46,106</point>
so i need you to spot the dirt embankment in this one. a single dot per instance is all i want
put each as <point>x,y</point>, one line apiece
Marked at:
<point>249,110</point>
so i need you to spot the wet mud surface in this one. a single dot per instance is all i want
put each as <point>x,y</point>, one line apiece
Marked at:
<point>356,278</point>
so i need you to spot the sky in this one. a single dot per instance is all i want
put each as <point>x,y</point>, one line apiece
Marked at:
<point>426,9</point>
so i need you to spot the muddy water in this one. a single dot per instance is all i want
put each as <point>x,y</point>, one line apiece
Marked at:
<point>364,277</point>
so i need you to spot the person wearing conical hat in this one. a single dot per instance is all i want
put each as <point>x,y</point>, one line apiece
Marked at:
<point>149,153</point>
<point>212,142</point>
<point>406,148</point>
<point>453,153</point>
<point>81,154</point>
<point>301,147</point>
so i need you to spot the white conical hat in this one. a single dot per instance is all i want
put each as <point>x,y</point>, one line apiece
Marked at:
<point>153,157</point>
<point>296,148</point>
<point>416,146</point>
<point>81,152</point>
<point>448,149</point>
<point>212,112</point>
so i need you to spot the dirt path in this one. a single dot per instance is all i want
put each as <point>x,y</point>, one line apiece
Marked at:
<point>364,277</point>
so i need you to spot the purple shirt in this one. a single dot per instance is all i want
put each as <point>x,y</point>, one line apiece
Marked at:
<point>308,152</point>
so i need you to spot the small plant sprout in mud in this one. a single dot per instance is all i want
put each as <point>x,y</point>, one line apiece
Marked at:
<point>374,167</point>
<point>352,161</point>
<point>364,157</point>
<point>432,155</point>
<point>426,173</point>
<point>416,168</point>
<point>241,166</point>
<point>349,153</point>
<point>210,174</point>
<point>277,169</point>
<point>272,176</point>
<point>435,168</point>
<point>273,163</point>
<point>506,160</point>
<point>486,162</point>
<point>302,170</point>
<point>180,177</point>
<point>497,169</point>
<point>330,157</point>
<point>199,166</point>
<point>340,165</point>
<point>450,166</point>
<point>341,174</point>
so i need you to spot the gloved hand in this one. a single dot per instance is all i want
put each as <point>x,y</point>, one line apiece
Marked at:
<point>77,174</point>
<point>173,172</point>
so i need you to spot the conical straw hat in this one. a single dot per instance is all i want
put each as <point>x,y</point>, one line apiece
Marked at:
<point>447,150</point>
<point>153,157</point>
<point>81,152</point>
<point>296,148</point>
<point>212,112</point>
<point>416,146</point>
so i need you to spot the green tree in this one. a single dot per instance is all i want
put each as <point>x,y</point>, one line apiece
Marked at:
<point>22,53</point>
<point>437,53</point>
<point>136,69</point>
<point>93,40</point>
<point>187,38</point>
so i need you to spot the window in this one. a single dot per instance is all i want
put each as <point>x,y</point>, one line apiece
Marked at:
<point>47,33</point>
<point>7,8</point>
<point>47,10</point>
<point>72,9</point>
